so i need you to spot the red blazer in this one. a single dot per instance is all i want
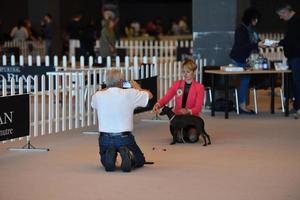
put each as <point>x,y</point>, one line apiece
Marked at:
<point>194,100</point>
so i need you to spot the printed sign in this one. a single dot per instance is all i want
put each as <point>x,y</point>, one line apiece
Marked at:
<point>23,72</point>
<point>14,116</point>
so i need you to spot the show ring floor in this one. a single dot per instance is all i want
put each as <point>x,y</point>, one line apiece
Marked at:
<point>251,157</point>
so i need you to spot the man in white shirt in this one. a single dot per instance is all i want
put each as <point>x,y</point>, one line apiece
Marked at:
<point>115,107</point>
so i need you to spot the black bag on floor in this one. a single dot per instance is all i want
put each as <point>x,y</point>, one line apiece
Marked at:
<point>221,103</point>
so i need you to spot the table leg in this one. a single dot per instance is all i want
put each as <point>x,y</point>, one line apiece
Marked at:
<point>213,95</point>
<point>286,93</point>
<point>226,96</point>
<point>272,93</point>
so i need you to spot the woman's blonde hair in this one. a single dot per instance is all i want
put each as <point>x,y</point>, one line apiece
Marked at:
<point>189,64</point>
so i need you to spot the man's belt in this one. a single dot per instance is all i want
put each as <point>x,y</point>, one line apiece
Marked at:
<point>125,133</point>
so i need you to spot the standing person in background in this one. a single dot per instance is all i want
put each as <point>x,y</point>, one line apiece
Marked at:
<point>88,39</point>
<point>175,29</point>
<point>246,41</point>
<point>107,40</point>
<point>47,33</point>
<point>115,107</point>
<point>32,34</point>
<point>19,32</point>
<point>291,46</point>
<point>136,26</point>
<point>74,30</point>
<point>189,97</point>
<point>183,25</point>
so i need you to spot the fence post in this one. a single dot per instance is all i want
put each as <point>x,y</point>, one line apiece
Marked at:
<point>70,92</point>
<point>43,106</point>
<point>47,61</point>
<point>29,60</point>
<point>50,103</point>
<point>82,62</point>
<point>73,62</point>
<point>63,117</point>
<point>36,106</point>
<point>118,61</point>
<point>135,67</point>
<point>91,60</point>
<point>12,60</point>
<point>4,61</point>
<point>55,61</point>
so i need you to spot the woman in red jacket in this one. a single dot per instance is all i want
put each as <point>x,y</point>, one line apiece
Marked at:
<point>189,96</point>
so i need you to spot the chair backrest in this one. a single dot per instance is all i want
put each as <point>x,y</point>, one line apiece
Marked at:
<point>182,53</point>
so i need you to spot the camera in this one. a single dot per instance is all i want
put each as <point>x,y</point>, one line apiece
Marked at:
<point>126,84</point>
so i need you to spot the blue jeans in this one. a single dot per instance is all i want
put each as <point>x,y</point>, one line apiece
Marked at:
<point>294,64</point>
<point>48,47</point>
<point>106,141</point>
<point>244,84</point>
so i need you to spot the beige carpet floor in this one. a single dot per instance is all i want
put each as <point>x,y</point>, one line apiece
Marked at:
<point>251,157</point>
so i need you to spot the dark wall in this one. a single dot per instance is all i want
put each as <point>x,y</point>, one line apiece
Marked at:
<point>89,9</point>
<point>270,21</point>
<point>12,10</point>
<point>129,9</point>
<point>213,31</point>
<point>10,13</point>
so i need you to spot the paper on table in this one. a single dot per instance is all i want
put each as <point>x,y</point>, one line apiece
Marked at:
<point>269,42</point>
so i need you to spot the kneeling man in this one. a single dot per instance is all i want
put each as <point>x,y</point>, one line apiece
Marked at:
<point>115,108</point>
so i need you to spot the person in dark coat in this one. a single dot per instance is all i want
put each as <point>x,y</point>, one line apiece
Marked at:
<point>246,41</point>
<point>291,46</point>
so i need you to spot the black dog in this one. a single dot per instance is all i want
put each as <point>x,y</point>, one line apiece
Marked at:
<point>179,122</point>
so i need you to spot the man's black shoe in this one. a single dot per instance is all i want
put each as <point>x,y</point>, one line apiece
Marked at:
<point>110,159</point>
<point>126,159</point>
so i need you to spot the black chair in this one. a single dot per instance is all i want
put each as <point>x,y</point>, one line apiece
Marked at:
<point>182,53</point>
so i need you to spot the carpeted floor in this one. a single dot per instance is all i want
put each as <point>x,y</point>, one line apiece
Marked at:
<point>251,157</point>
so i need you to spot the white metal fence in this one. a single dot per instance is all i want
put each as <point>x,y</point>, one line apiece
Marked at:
<point>164,50</point>
<point>72,63</point>
<point>63,100</point>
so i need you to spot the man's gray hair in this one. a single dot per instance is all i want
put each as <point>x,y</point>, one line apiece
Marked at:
<point>114,77</point>
<point>283,6</point>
